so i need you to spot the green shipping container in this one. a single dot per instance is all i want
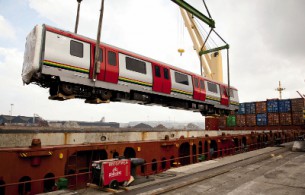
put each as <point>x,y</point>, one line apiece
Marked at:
<point>231,121</point>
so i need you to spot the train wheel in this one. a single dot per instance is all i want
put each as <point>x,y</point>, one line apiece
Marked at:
<point>53,90</point>
<point>106,95</point>
<point>114,184</point>
<point>67,89</point>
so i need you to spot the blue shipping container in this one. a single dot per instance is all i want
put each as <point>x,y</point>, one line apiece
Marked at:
<point>272,106</point>
<point>284,105</point>
<point>242,108</point>
<point>261,119</point>
<point>250,108</point>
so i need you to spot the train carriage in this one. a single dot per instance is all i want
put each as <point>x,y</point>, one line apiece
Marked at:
<point>64,62</point>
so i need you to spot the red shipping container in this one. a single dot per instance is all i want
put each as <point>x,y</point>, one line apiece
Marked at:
<point>273,119</point>
<point>297,118</point>
<point>297,105</point>
<point>250,120</point>
<point>261,107</point>
<point>240,120</point>
<point>285,119</point>
<point>211,123</point>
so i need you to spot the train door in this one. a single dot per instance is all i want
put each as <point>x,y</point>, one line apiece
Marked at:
<point>199,89</point>
<point>202,90</point>
<point>196,94</point>
<point>161,76</point>
<point>108,69</point>
<point>224,96</point>
<point>167,85</point>
<point>112,66</point>
<point>100,73</point>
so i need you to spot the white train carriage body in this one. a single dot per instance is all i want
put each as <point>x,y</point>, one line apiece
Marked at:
<point>60,58</point>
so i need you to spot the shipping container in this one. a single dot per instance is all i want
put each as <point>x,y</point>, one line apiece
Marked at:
<point>222,122</point>
<point>240,120</point>
<point>250,108</point>
<point>297,105</point>
<point>273,106</point>
<point>297,118</point>
<point>250,120</point>
<point>285,119</point>
<point>261,107</point>
<point>284,106</point>
<point>211,123</point>
<point>242,108</point>
<point>273,119</point>
<point>231,121</point>
<point>261,119</point>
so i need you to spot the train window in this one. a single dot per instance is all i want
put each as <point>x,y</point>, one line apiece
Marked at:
<point>135,65</point>
<point>166,75</point>
<point>181,78</point>
<point>111,58</point>
<point>76,49</point>
<point>212,87</point>
<point>232,93</point>
<point>201,84</point>
<point>224,91</point>
<point>196,82</point>
<point>157,71</point>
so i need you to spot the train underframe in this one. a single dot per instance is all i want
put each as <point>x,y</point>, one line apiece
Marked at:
<point>99,95</point>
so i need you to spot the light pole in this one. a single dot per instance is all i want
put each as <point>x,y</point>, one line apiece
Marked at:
<point>11,113</point>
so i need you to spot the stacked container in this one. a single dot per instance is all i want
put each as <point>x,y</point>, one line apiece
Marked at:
<point>242,108</point>
<point>211,123</point>
<point>273,109</point>
<point>265,115</point>
<point>231,121</point>
<point>285,118</point>
<point>273,119</point>
<point>284,107</point>
<point>261,107</point>
<point>261,113</point>
<point>261,119</point>
<point>250,108</point>
<point>250,120</point>
<point>273,106</point>
<point>240,120</point>
<point>297,108</point>
<point>222,122</point>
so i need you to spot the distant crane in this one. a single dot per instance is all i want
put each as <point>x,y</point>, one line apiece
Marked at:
<point>280,89</point>
<point>302,96</point>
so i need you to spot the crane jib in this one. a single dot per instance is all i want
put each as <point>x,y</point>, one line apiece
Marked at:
<point>195,12</point>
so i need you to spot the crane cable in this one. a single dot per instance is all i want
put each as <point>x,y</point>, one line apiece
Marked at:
<point>180,34</point>
<point>220,48</point>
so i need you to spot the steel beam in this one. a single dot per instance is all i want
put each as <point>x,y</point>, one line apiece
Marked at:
<point>195,12</point>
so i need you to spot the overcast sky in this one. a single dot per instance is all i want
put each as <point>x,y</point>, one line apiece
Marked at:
<point>267,39</point>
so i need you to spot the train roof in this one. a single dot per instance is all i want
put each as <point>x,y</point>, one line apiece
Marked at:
<point>145,58</point>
